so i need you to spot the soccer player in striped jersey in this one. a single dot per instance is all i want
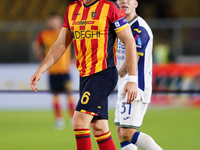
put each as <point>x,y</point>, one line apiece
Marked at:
<point>128,117</point>
<point>93,26</point>
<point>59,75</point>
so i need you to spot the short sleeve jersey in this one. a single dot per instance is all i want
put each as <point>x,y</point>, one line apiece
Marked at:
<point>144,43</point>
<point>46,38</point>
<point>94,27</point>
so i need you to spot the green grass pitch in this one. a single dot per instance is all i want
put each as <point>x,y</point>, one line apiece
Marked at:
<point>172,129</point>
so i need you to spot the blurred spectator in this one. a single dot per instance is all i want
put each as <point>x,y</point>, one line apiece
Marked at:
<point>162,53</point>
<point>59,77</point>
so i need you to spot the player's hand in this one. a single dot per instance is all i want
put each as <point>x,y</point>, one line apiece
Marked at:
<point>130,88</point>
<point>34,80</point>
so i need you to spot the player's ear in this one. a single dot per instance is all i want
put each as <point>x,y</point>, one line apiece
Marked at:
<point>136,4</point>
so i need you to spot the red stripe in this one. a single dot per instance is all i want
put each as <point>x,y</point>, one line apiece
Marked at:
<point>76,11</point>
<point>104,65</point>
<point>79,135</point>
<point>83,46</point>
<point>82,28</point>
<point>81,129</point>
<point>90,113</point>
<point>94,43</point>
<point>94,27</point>
<point>83,63</point>
<point>72,28</point>
<point>98,10</point>
<point>85,13</point>
<point>76,51</point>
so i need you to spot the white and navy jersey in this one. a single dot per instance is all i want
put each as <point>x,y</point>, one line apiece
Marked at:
<point>144,43</point>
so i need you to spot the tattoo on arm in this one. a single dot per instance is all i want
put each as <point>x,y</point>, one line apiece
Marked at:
<point>123,70</point>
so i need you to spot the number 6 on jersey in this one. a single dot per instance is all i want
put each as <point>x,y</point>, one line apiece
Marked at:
<point>85,98</point>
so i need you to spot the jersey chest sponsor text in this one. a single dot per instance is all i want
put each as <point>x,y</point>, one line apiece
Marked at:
<point>84,29</point>
<point>121,51</point>
<point>82,22</point>
<point>86,34</point>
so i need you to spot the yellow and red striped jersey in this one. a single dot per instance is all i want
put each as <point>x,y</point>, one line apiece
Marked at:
<point>47,38</point>
<point>94,27</point>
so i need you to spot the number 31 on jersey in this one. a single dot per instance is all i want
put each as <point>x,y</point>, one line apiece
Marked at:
<point>126,108</point>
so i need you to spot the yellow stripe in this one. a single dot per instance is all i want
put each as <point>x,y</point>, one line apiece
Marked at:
<point>81,132</point>
<point>101,41</point>
<point>115,49</point>
<point>65,28</point>
<point>83,111</point>
<point>121,28</point>
<point>123,141</point>
<point>70,13</point>
<point>76,28</point>
<point>88,40</point>
<point>140,53</point>
<point>103,137</point>
<point>71,10</point>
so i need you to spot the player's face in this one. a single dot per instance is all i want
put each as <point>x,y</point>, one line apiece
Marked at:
<point>128,6</point>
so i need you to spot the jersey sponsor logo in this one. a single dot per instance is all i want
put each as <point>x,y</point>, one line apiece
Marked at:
<point>121,51</point>
<point>121,48</point>
<point>121,57</point>
<point>93,14</point>
<point>137,30</point>
<point>126,118</point>
<point>117,24</point>
<point>86,34</point>
<point>138,41</point>
<point>82,22</point>
<point>125,20</point>
<point>77,14</point>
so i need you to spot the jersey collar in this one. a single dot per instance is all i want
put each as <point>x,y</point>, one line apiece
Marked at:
<point>90,4</point>
<point>133,19</point>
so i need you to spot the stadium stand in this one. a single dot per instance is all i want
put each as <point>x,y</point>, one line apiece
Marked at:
<point>32,10</point>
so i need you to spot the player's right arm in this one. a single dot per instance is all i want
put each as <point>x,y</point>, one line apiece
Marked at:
<point>56,51</point>
<point>127,39</point>
<point>124,68</point>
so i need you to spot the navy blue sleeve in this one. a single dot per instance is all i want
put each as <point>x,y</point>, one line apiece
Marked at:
<point>141,38</point>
